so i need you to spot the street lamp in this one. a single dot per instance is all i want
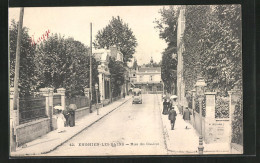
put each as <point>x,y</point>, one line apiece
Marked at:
<point>200,92</point>
<point>96,87</point>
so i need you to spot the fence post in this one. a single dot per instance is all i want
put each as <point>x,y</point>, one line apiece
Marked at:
<point>209,115</point>
<point>234,95</point>
<point>62,91</point>
<point>45,93</point>
<point>51,107</point>
<point>14,120</point>
<point>193,106</point>
<point>50,101</point>
<point>86,92</point>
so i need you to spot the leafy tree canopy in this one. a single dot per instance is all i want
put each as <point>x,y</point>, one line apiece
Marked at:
<point>64,63</point>
<point>27,80</point>
<point>117,71</point>
<point>117,33</point>
<point>212,38</point>
<point>167,26</point>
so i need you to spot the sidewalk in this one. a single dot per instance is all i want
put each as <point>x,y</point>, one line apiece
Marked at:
<point>53,139</point>
<point>186,141</point>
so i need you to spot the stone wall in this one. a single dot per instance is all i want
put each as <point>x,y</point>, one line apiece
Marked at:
<point>32,130</point>
<point>81,112</point>
<point>106,102</point>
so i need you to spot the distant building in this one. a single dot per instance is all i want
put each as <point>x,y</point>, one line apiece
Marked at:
<point>147,78</point>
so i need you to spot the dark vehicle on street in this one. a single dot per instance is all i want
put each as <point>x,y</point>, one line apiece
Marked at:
<point>137,96</point>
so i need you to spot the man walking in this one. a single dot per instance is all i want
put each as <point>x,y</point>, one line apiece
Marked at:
<point>186,116</point>
<point>172,117</point>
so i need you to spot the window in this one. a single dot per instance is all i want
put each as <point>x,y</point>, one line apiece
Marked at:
<point>141,78</point>
<point>133,74</point>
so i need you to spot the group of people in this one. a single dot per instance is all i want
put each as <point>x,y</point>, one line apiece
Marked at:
<point>64,118</point>
<point>169,108</point>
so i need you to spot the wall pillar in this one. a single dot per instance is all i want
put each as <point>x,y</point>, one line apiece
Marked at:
<point>193,106</point>
<point>50,102</point>
<point>100,76</point>
<point>210,116</point>
<point>234,96</point>
<point>110,91</point>
<point>62,91</point>
<point>14,114</point>
<point>86,92</point>
<point>14,120</point>
<point>45,93</point>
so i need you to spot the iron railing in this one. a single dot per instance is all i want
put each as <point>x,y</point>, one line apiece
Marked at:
<point>80,101</point>
<point>31,109</point>
<point>197,106</point>
<point>222,107</point>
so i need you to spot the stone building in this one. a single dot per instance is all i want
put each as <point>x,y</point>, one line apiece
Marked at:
<point>103,55</point>
<point>147,78</point>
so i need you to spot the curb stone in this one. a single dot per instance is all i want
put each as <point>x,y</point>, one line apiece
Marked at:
<point>84,128</point>
<point>54,147</point>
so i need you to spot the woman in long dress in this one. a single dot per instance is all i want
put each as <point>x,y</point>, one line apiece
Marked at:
<point>165,107</point>
<point>60,121</point>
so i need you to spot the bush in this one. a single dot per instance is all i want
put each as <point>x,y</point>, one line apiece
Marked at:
<point>237,124</point>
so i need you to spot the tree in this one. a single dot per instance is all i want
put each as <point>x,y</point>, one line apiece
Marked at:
<point>117,33</point>
<point>154,64</point>
<point>64,63</point>
<point>27,82</point>
<point>117,70</point>
<point>167,26</point>
<point>195,25</point>
<point>135,65</point>
<point>168,71</point>
<point>213,38</point>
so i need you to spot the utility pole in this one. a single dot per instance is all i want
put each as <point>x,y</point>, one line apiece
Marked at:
<point>14,112</point>
<point>90,71</point>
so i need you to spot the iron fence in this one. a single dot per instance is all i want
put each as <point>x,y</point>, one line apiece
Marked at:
<point>31,109</point>
<point>197,106</point>
<point>80,101</point>
<point>56,100</point>
<point>222,107</point>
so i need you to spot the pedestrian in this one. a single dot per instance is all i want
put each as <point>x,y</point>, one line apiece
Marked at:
<point>186,116</point>
<point>169,104</point>
<point>172,117</point>
<point>60,121</point>
<point>165,107</point>
<point>174,102</point>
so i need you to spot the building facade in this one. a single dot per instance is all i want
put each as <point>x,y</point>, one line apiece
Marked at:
<point>146,78</point>
<point>104,85</point>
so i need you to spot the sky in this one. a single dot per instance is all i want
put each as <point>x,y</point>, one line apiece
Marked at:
<point>75,22</point>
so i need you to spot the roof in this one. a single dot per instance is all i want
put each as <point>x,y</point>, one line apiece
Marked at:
<point>101,54</point>
<point>150,69</point>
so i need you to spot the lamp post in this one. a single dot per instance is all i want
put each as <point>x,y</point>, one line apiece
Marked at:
<point>96,87</point>
<point>200,92</point>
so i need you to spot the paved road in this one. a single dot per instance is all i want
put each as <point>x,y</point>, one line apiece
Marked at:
<point>132,129</point>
